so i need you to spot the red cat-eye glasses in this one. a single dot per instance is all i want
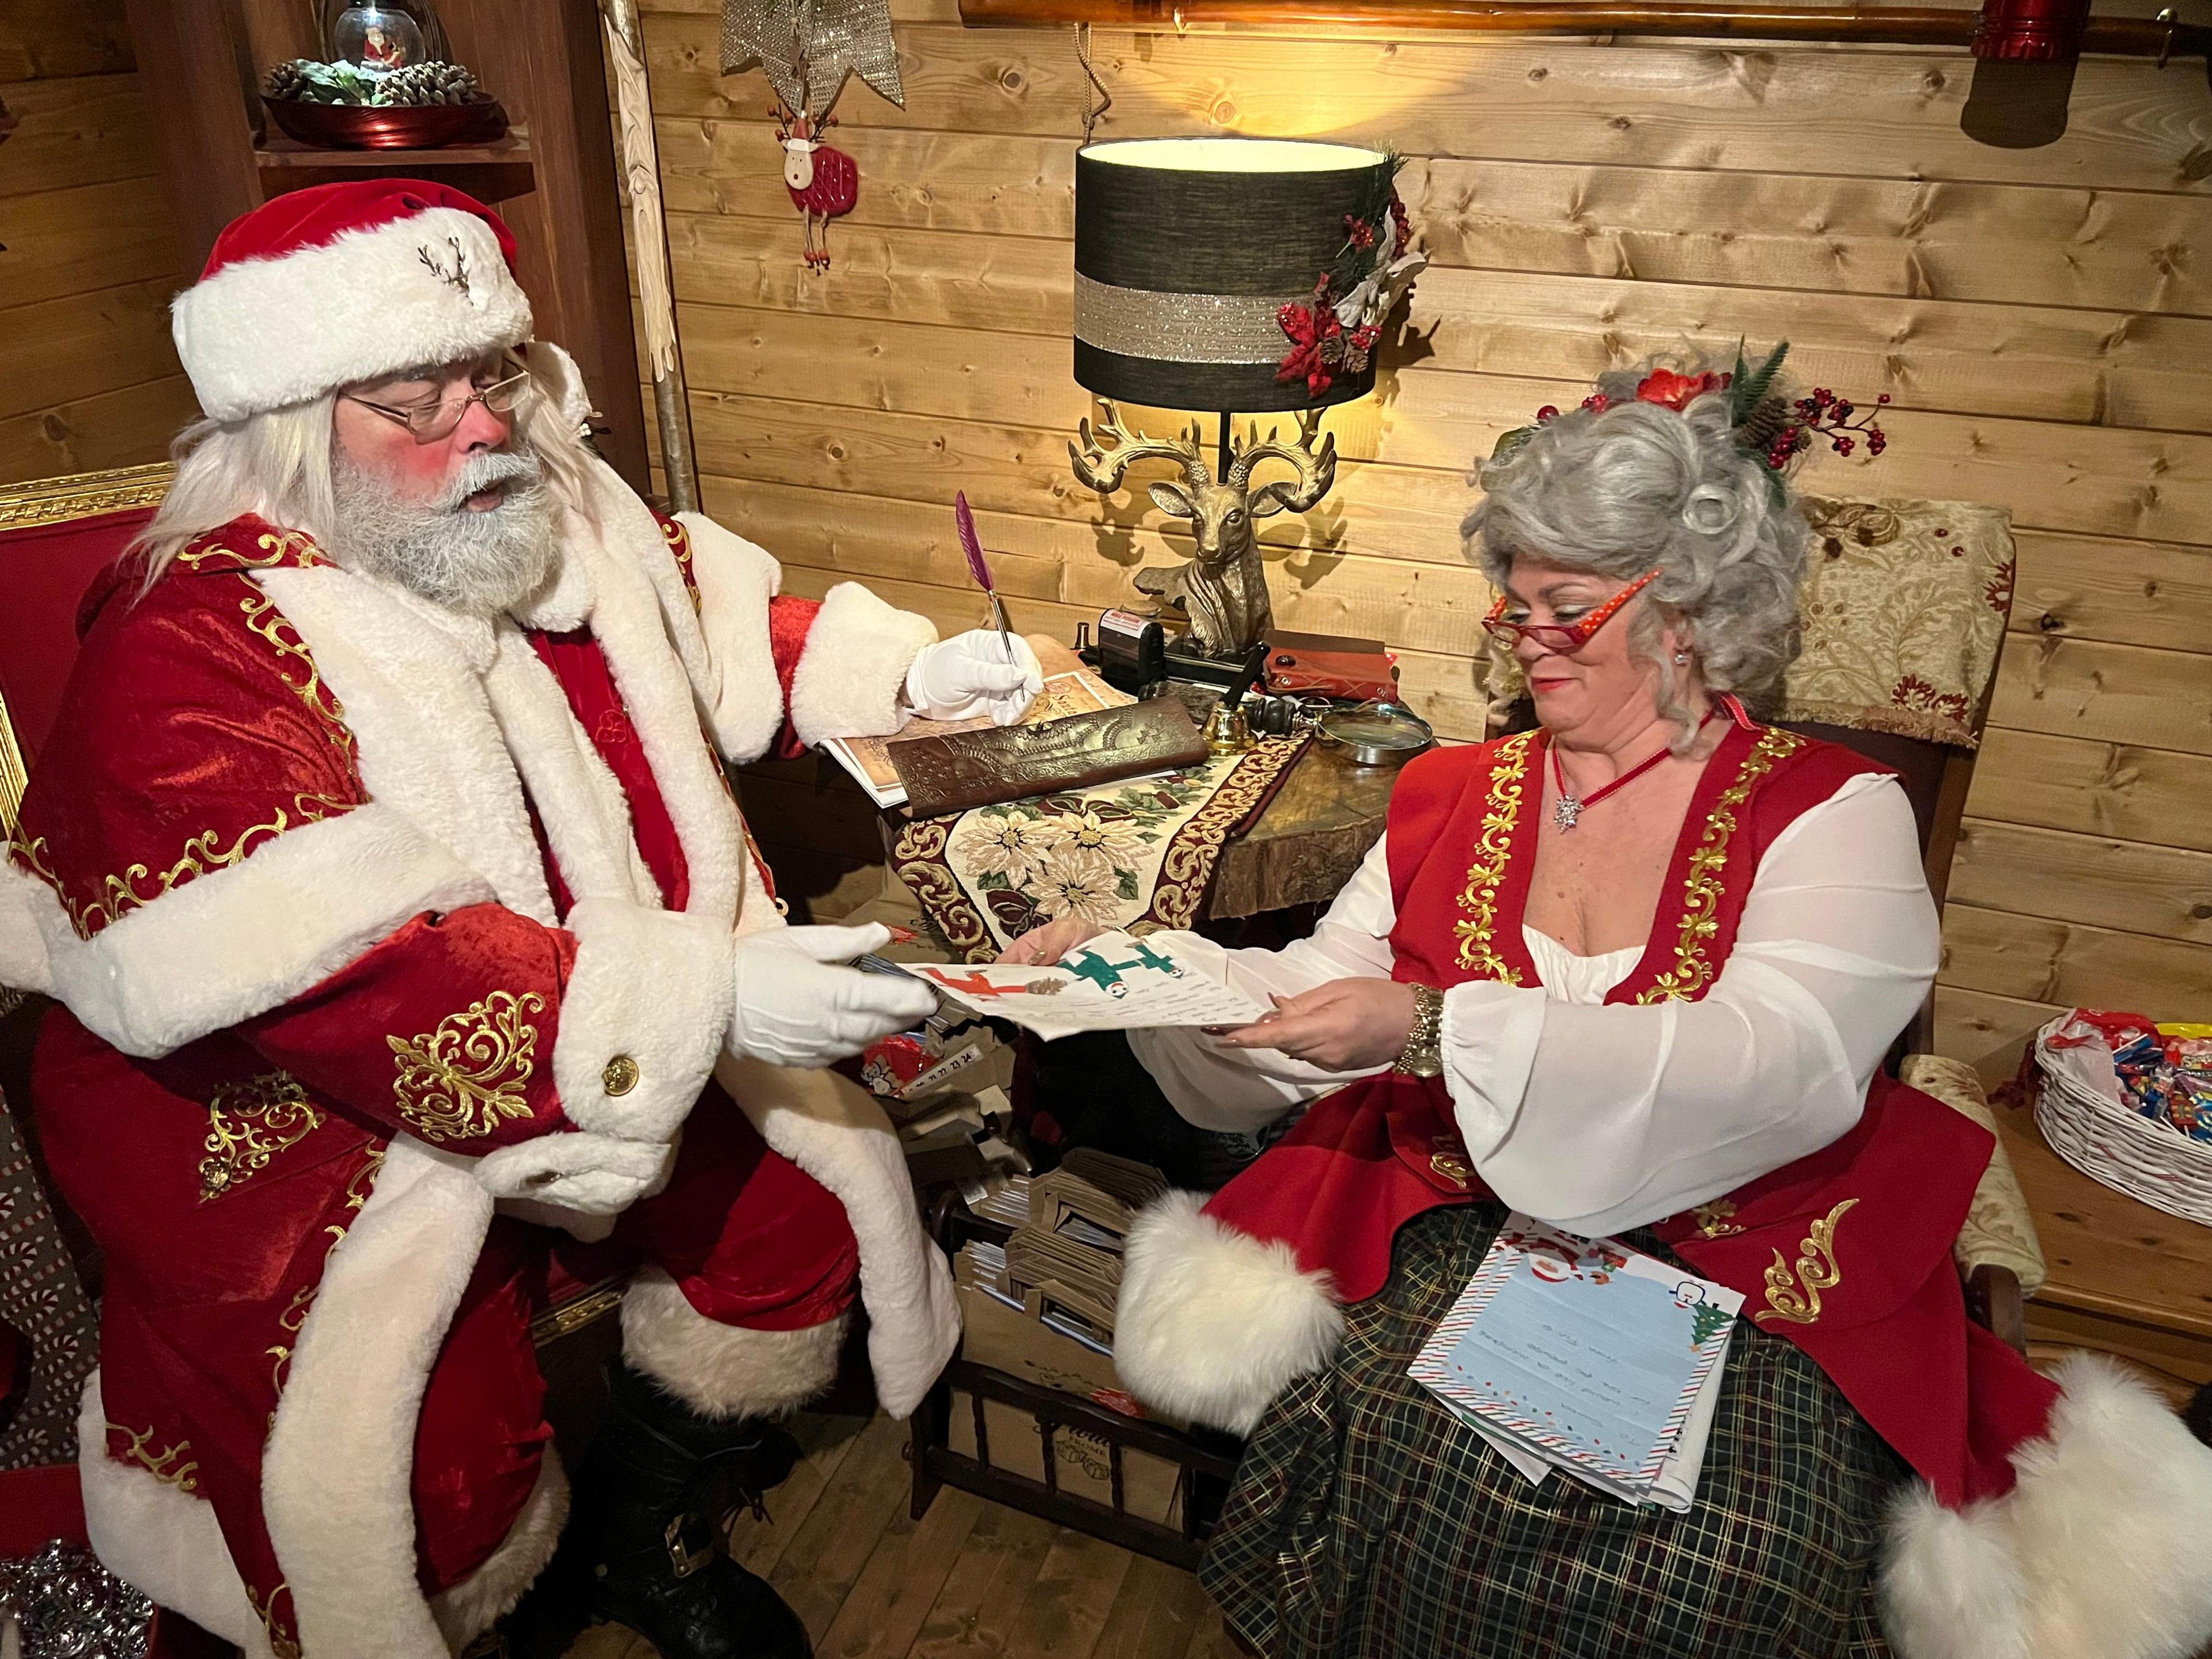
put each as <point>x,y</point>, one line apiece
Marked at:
<point>1562,639</point>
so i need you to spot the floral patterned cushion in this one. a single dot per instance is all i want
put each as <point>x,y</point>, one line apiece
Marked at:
<point>1904,607</point>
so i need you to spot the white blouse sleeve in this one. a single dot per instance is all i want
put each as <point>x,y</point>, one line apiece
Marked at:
<point>1601,1118</point>
<point>1219,1087</point>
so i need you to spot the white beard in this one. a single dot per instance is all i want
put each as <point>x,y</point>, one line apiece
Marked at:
<point>481,564</point>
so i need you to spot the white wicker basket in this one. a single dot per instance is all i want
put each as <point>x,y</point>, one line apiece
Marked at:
<point>2079,1114</point>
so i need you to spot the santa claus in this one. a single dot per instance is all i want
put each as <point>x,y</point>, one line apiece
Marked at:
<point>405,932</point>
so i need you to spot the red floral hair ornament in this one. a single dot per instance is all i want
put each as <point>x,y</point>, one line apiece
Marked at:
<point>1766,425</point>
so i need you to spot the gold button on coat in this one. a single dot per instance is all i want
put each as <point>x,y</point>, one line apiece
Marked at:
<point>620,1076</point>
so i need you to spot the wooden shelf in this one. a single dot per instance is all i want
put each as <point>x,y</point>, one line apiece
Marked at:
<point>280,152</point>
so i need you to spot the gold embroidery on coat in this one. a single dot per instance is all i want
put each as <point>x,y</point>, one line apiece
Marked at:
<point>280,1643</point>
<point>1713,1219</point>
<point>163,1466</point>
<point>1701,888</point>
<point>679,547</point>
<point>1479,900</point>
<point>458,1081</point>
<point>276,546</point>
<point>1796,1296</point>
<point>263,617</point>
<point>249,1122</point>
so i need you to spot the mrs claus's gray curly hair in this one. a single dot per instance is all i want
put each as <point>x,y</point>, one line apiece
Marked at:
<point>1637,486</point>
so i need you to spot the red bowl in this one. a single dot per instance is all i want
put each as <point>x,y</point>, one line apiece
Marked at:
<point>400,126</point>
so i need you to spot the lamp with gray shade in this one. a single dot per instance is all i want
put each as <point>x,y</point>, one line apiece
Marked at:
<point>1235,275</point>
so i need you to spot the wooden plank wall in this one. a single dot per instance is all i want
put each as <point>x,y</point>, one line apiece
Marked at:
<point>89,251</point>
<point>2042,317</point>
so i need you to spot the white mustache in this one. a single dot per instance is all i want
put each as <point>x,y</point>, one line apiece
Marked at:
<point>485,471</point>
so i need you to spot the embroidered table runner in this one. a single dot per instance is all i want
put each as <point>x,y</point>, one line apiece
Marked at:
<point>1137,855</point>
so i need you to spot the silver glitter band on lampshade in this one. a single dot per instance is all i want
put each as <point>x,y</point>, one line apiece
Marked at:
<point>1192,328</point>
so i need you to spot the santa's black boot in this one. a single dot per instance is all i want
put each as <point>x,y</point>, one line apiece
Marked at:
<point>653,1560</point>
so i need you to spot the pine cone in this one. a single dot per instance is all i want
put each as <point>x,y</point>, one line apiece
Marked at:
<point>1764,425</point>
<point>287,82</point>
<point>429,83</point>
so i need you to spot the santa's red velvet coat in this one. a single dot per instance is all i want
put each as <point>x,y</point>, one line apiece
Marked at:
<point>367,917</point>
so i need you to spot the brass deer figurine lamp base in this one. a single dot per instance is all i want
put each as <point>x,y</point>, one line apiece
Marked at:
<point>1222,588</point>
<point>1251,275</point>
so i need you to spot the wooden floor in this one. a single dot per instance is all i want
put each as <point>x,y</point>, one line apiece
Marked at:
<point>969,1579</point>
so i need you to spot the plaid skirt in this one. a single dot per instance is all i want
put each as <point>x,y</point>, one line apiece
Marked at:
<point>1367,1522</point>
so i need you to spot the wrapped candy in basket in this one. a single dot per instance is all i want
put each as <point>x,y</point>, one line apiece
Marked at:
<point>2128,1102</point>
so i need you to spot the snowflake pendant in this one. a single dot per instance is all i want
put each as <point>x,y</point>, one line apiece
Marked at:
<point>1565,810</point>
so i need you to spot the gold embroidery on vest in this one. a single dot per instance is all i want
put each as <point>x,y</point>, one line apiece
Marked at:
<point>249,1122</point>
<point>458,1081</point>
<point>1796,1296</point>
<point>164,1466</point>
<point>1479,900</point>
<point>1701,888</point>
<point>1713,1219</point>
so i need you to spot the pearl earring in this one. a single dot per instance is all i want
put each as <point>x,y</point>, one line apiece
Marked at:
<point>1681,656</point>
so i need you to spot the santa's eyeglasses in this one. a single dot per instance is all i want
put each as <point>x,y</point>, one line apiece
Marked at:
<point>436,417</point>
<point>1562,639</point>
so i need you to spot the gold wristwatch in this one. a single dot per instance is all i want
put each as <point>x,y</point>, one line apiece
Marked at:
<point>1422,1057</point>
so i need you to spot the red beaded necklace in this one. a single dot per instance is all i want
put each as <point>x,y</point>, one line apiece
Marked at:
<point>1568,806</point>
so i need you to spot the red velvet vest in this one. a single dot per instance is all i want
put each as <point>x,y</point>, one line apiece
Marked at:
<point>1846,1252</point>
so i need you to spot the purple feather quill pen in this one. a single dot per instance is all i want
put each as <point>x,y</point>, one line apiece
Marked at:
<point>972,545</point>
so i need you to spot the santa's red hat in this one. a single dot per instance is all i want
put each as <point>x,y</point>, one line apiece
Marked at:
<point>340,283</point>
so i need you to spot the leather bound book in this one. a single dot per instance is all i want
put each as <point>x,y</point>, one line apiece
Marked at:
<point>953,773</point>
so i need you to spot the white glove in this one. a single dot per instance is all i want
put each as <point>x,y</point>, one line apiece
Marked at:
<point>593,1174</point>
<point>795,1008</point>
<point>967,675</point>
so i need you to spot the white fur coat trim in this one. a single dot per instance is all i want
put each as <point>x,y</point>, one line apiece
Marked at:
<point>724,1370</point>
<point>2098,1552</point>
<point>856,659</point>
<point>735,674</point>
<point>337,1470</point>
<point>1212,1323</point>
<point>241,941</point>
<point>411,678</point>
<point>642,614</point>
<point>489,1594</point>
<point>433,287</point>
<point>649,988</point>
<point>834,1130</point>
<point>160,1539</point>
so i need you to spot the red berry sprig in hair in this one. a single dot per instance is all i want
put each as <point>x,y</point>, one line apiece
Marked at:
<point>1824,415</point>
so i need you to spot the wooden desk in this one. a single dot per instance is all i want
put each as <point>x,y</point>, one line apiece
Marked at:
<point>1309,841</point>
<point>2125,1278</point>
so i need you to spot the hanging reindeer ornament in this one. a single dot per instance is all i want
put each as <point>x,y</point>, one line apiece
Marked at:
<point>807,48</point>
<point>824,183</point>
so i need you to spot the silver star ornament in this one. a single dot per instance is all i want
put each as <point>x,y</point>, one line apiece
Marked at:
<point>807,47</point>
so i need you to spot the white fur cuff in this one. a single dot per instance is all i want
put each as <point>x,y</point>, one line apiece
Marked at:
<point>1212,1324</point>
<point>725,1371</point>
<point>2098,1552</point>
<point>743,697</point>
<point>856,657</point>
<point>643,1018</point>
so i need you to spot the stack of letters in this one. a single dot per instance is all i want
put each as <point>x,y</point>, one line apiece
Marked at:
<point>1584,1355</point>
